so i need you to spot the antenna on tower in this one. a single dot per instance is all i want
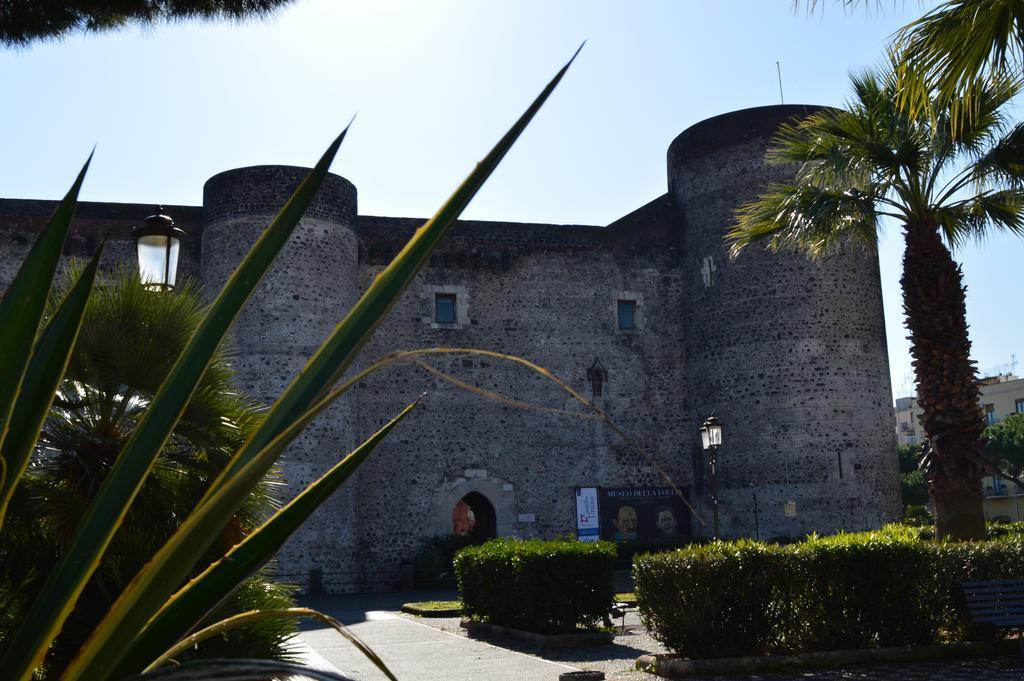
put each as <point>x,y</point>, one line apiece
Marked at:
<point>907,386</point>
<point>778,70</point>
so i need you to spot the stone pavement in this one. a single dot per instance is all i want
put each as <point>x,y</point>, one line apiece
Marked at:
<point>412,650</point>
<point>436,649</point>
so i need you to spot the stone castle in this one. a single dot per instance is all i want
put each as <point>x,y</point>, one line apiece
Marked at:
<point>647,316</point>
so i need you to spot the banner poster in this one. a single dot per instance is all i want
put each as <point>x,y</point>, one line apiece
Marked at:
<point>642,513</point>
<point>587,519</point>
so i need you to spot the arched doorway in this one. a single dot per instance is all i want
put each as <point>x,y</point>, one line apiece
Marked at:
<point>474,515</point>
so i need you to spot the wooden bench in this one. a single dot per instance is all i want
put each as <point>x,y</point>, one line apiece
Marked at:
<point>996,604</point>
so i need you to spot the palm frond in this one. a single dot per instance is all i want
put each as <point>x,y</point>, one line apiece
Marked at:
<point>975,119</point>
<point>962,43</point>
<point>972,218</point>
<point>808,218</point>
<point>1004,161</point>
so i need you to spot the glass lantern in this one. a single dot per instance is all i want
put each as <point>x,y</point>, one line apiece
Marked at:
<point>157,243</point>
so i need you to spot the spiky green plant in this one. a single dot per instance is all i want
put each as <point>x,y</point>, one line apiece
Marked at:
<point>159,607</point>
<point>128,342</point>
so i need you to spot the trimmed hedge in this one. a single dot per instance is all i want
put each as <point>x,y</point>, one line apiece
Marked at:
<point>541,586</point>
<point>846,591</point>
<point>432,564</point>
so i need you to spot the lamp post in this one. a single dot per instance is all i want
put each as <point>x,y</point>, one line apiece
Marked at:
<point>157,243</point>
<point>757,523</point>
<point>711,438</point>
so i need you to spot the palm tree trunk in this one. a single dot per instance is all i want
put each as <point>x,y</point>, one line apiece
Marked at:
<point>947,387</point>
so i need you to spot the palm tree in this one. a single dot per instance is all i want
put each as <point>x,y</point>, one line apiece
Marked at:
<point>870,161</point>
<point>953,48</point>
<point>962,43</point>
<point>23,22</point>
<point>129,340</point>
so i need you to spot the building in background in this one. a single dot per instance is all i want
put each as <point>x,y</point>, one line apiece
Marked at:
<point>1001,395</point>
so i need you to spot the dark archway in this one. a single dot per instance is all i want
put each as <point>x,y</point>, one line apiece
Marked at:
<point>474,515</point>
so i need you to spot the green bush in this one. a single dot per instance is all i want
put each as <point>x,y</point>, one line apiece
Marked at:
<point>874,589</point>
<point>433,562</point>
<point>862,590</point>
<point>542,586</point>
<point>718,600</point>
<point>913,489</point>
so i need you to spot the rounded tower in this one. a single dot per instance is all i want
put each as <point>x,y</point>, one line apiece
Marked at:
<point>307,290</point>
<point>789,353</point>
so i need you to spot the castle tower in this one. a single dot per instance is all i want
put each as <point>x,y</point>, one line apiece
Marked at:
<point>307,291</point>
<point>789,353</point>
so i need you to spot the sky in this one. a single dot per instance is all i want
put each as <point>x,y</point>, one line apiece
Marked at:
<point>433,85</point>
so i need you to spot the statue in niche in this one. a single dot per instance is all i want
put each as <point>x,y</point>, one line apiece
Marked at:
<point>597,375</point>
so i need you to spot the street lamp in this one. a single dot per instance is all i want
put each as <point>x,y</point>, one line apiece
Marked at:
<point>157,243</point>
<point>711,438</point>
<point>757,523</point>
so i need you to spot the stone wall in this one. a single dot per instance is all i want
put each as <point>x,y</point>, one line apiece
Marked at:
<point>555,306</point>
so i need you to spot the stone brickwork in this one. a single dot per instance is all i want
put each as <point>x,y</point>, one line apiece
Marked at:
<point>789,353</point>
<point>291,313</point>
<point>784,349</point>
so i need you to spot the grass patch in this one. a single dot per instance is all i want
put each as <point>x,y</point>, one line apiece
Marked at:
<point>627,597</point>
<point>434,608</point>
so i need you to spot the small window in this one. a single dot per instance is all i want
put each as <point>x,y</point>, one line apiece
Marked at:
<point>627,315</point>
<point>1019,406</point>
<point>444,308</point>
<point>990,414</point>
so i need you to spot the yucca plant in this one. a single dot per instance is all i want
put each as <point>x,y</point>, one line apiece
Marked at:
<point>159,608</point>
<point>128,342</point>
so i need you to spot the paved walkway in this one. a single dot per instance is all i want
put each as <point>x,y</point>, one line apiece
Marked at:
<point>414,651</point>
<point>436,649</point>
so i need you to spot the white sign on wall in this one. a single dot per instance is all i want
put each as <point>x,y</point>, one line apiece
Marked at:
<point>588,526</point>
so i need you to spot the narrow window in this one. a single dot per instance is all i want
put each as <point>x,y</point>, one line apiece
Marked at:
<point>627,315</point>
<point>990,414</point>
<point>444,308</point>
<point>839,455</point>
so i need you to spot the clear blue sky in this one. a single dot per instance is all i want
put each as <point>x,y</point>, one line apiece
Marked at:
<point>434,85</point>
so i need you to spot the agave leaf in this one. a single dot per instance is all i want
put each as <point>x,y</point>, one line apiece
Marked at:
<point>21,310</point>
<point>158,579</point>
<point>196,599</point>
<point>49,360</point>
<point>65,582</point>
<point>239,670</point>
<point>253,616</point>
